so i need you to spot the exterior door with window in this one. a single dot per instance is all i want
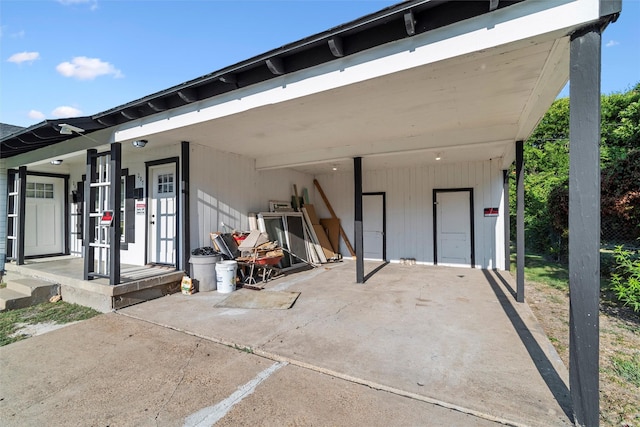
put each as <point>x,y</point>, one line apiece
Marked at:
<point>162,215</point>
<point>44,216</point>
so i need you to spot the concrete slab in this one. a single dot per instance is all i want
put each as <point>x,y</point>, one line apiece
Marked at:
<point>453,337</point>
<point>115,370</point>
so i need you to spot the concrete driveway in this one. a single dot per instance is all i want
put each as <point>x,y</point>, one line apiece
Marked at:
<point>415,345</point>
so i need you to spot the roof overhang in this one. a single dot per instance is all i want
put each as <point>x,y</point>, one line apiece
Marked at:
<point>396,86</point>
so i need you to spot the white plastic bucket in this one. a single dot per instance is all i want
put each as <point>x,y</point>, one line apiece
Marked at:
<point>226,276</point>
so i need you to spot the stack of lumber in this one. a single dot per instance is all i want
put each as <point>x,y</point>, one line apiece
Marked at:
<point>324,249</point>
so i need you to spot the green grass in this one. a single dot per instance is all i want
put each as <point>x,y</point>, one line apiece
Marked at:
<point>540,270</point>
<point>628,368</point>
<point>60,312</point>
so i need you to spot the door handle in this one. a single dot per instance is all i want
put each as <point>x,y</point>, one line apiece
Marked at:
<point>152,222</point>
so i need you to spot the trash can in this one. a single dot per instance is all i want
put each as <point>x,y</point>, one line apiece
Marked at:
<point>226,276</point>
<point>203,270</point>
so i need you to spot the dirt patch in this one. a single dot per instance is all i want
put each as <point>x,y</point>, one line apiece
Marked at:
<point>619,340</point>
<point>32,330</point>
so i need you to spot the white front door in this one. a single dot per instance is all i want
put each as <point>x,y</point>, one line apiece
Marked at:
<point>44,216</point>
<point>162,215</point>
<point>373,226</point>
<point>453,228</point>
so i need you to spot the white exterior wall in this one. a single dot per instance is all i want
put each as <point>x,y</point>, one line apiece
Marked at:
<point>226,187</point>
<point>409,198</point>
<point>135,162</point>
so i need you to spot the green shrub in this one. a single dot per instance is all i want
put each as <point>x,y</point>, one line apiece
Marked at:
<point>625,280</point>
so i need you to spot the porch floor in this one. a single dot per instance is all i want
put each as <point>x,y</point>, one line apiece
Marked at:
<point>137,283</point>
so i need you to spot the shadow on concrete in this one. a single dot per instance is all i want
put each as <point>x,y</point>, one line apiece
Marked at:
<point>546,369</point>
<point>375,270</point>
<point>506,284</point>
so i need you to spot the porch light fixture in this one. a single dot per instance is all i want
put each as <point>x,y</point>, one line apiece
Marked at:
<point>438,156</point>
<point>56,162</point>
<point>139,143</point>
<point>334,167</point>
<point>66,129</point>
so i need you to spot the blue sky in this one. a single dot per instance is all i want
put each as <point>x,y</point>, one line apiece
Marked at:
<point>66,58</point>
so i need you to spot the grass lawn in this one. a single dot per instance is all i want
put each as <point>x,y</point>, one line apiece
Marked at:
<point>547,293</point>
<point>59,312</point>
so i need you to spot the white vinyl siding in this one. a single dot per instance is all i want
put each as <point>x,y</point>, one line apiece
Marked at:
<point>226,187</point>
<point>410,206</point>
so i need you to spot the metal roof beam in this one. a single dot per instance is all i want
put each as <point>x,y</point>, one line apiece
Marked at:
<point>188,95</point>
<point>229,78</point>
<point>275,65</point>
<point>410,23</point>
<point>493,4</point>
<point>157,105</point>
<point>130,114</point>
<point>335,45</point>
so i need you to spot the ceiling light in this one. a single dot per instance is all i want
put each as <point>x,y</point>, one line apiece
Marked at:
<point>139,143</point>
<point>438,157</point>
<point>56,162</point>
<point>334,167</point>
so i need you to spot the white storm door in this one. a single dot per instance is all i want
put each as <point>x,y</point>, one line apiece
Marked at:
<point>373,226</point>
<point>44,216</point>
<point>453,228</point>
<point>162,215</point>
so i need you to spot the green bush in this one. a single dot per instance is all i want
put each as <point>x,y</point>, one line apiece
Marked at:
<point>625,280</point>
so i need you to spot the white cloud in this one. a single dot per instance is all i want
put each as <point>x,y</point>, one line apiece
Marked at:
<point>65,111</point>
<point>83,68</point>
<point>21,57</point>
<point>611,43</point>
<point>36,115</point>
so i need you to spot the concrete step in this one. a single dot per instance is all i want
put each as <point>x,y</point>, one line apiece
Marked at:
<point>11,300</point>
<point>25,291</point>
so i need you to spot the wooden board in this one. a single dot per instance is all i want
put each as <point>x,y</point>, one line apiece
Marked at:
<point>324,241</point>
<point>313,237</point>
<point>332,227</point>
<point>311,211</point>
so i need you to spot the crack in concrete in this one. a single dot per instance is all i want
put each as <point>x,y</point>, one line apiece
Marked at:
<point>304,325</point>
<point>182,374</point>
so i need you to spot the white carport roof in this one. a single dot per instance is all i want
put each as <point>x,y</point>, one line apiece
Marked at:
<point>455,78</point>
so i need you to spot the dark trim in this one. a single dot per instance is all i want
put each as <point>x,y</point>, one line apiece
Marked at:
<point>115,200</point>
<point>520,249</point>
<point>22,206</point>
<point>359,242</point>
<point>89,233</point>
<point>384,221</point>
<point>472,230</point>
<point>44,255</point>
<point>185,155</point>
<point>178,189</point>
<point>507,220</point>
<point>67,218</point>
<point>584,225</point>
<point>49,175</point>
